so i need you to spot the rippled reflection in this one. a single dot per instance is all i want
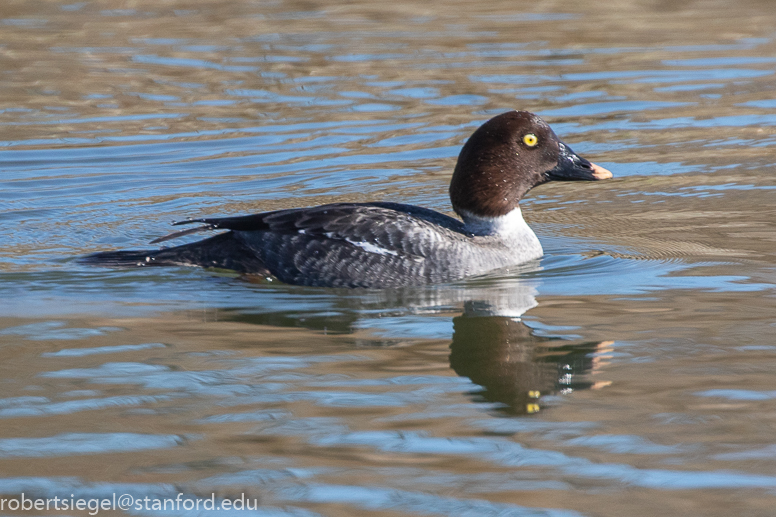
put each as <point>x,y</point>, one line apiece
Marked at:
<point>513,366</point>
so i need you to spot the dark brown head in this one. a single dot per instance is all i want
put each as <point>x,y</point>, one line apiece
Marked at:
<point>508,156</point>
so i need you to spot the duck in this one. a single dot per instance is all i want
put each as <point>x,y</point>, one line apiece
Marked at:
<point>384,245</point>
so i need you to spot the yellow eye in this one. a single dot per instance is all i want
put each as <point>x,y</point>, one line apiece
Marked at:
<point>530,140</point>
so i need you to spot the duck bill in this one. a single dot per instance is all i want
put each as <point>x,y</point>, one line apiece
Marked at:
<point>572,167</point>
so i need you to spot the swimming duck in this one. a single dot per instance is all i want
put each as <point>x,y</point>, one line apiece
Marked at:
<point>384,245</point>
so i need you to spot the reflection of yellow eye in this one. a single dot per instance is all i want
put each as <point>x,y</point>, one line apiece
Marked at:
<point>530,140</point>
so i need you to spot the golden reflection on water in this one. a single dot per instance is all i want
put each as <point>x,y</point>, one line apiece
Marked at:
<point>240,397</point>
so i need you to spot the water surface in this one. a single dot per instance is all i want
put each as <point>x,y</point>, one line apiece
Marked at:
<point>629,372</point>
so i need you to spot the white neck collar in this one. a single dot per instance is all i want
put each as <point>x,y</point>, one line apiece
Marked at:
<point>507,225</point>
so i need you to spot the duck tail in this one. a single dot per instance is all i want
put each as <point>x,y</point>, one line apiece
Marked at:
<point>221,251</point>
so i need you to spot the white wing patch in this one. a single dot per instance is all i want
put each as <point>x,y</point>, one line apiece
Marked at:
<point>371,248</point>
<point>366,246</point>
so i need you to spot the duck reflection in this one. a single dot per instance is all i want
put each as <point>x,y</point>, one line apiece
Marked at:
<point>514,366</point>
